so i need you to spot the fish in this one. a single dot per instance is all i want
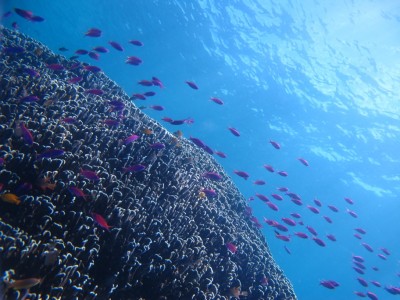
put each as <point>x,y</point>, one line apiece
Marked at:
<point>333,208</point>
<point>280,226</point>
<point>208,150</point>
<point>277,197</point>
<point>242,174</point>
<point>22,130</point>
<point>231,247</point>
<point>197,142</point>
<point>212,176</point>
<point>376,283</point>
<point>329,220</point>
<point>372,296</point>
<point>319,241</point>
<point>157,82</point>
<point>157,107</point>
<point>81,52</point>
<point>77,192</point>
<point>275,144</point>
<point>93,69</point>
<point>97,92</point>
<point>360,294</point>
<point>360,230</point>
<point>303,161</point>
<point>130,139</point>
<point>220,154</point>
<point>136,43</point>
<point>157,146</point>
<point>55,67</point>
<point>26,14</point>
<point>217,100</point>
<point>15,25</point>
<point>192,85</point>
<point>93,32</point>
<point>301,235</point>
<point>94,55</point>
<point>51,153</point>
<point>99,219</point>
<point>210,193</point>
<point>68,120</point>
<point>134,168</point>
<point>111,122</point>
<point>23,283</point>
<point>234,131</point>
<point>331,237</point>
<point>313,209</point>
<point>283,189</point>
<point>348,200</point>
<point>328,284</point>
<point>386,251</point>
<point>358,258</point>
<point>91,175</point>
<point>272,206</point>
<point>288,221</point>
<point>30,98</point>
<point>149,94</point>
<point>100,49</point>
<point>283,173</point>
<point>133,60</point>
<point>358,270</point>
<point>262,197</point>
<point>311,230</point>
<point>296,215</point>
<point>138,96</point>
<point>296,201</point>
<point>259,182</point>
<point>145,82</point>
<point>317,202</point>
<point>285,238</point>
<point>368,247</point>
<point>10,198</point>
<point>351,213</point>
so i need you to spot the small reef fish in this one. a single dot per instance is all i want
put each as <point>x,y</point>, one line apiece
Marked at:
<point>147,131</point>
<point>136,43</point>
<point>134,168</point>
<point>242,174</point>
<point>269,168</point>
<point>93,32</point>
<point>192,85</point>
<point>51,153</point>
<point>212,176</point>
<point>234,131</point>
<point>74,80</point>
<point>77,192</point>
<point>259,182</point>
<point>303,161</point>
<point>133,60</point>
<point>10,198</point>
<point>231,247</point>
<point>217,100</point>
<point>283,173</point>
<point>116,46</point>
<point>99,219</point>
<point>25,133</point>
<point>275,144</point>
<point>220,154</point>
<point>100,49</point>
<point>131,139</point>
<point>91,175</point>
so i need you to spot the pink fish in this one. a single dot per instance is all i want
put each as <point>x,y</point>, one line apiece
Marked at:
<point>360,230</point>
<point>93,69</point>
<point>234,131</point>
<point>133,60</point>
<point>376,283</point>
<point>280,227</point>
<point>317,202</point>
<point>101,49</point>
<point>303,161</point>
<point>362,281</point>
<point>157,107</point>
<point>93,32</point>
<point>360,294</point>
<point>101,221</point>
<point>97,92</point>
<point>295,215</point>
<point>283,189</point>
<point>311,230</point>
<point>212,176</point>
<point>269,168</point>
<point>386,251</point>
<point>368,247</point>
<point>157,82</point>
<point>77,192</point>
<point>149,94</point>
<point>134,168</point>
<point>26,14</point>
<point>372,296</point>
<point>74,80</point>
<point>288,221</point>
<point>313,209</point>
<point>217,100</point>
<point>91,175</point>
<point>22,130</point>
<point>259,182</point>
<point>329,220</point>
<point>192,85</point>
<point>138,96</point>
<point>116,46</point>
<point>296,201</point>
<point>358,258</point>
<point>94,55</point>
<point>329,284</point>
<point>262,197</point>
<point>283,173</point>
<point>131,139</point>
<point>277,197</point>
<point>231,247</point>
<point>242,174</point>
<point>275,144</point>
<point>55,67</point>
<point>272,206</point>
<point>382,256</point>
<point>351,213</point>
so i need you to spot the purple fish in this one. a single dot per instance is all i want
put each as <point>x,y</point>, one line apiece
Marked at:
<point>280,226</point>
<point>259,182</point>
<point>93,32</point>
<point>145,82</point>
<point>93,69</point>
<point>91,175</point>
<point>111,122</point>
<point>376,283</point>
<point>100,49</point>
<point>94,55</point>
<point>208,150</point>
<point>358,270</point>
<point>329,220</point>
<point>74,80</point>
<point>51,153</point>
<point>116,46</point>
<point>77,192</point>
<point>317,202</point>
<point>157,107</point>
<point>283,173</point>
<point>157,82</point>
<point>303,161</point>
<point>234,131</point>
<point>272,206</point>
<point>192,85</point>
<point>348,200</point>
<point>26,134</point>
<point>217,100</point>
<point>372,296</point>
<point>358,264</point>
<point>26,14</point>
<point>133,60</point>
<point>149,94</point>
<point>330,284</point>
<point>242,174</point>
<point>386,251</point>
<point>32,72</point>
<point>210,192</point>
<point>319,241</point>
<point>360,294</point>
<point>30,98</point>
<point>301,235</point>
<point>275,144</point>
<point>360,230</point>
<point>331,237</point>
<point>136,43</point>
<point>197,142</point>
<point>212,176</point>
<point>284,238</point>
<point>333,208</point>
<point>231,247</point>
<point>351,213</point>
<point>358,258</point>
<point>138,96</point>
<point>289,221</point>
<point>36,19</point>
<point>295,215</point>
<point>134,168</point>
<point>94,92</point>
<point>157,146</point>
<point>55,67</point>
<point>368,247</point>
<point>296,201</point>
<point>313,209</point>
<point>262,197</point>
<point>131,139</point>
<point>311,230</point>
<point>81,52</point>
<point>277,197</point>
<point>220,154</point>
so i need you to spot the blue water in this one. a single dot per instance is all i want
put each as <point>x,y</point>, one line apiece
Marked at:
<point>319,77</point>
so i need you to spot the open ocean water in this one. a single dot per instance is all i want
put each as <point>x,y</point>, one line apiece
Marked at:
<point>321,78</point>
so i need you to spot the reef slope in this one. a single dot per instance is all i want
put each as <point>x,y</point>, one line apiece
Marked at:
<point>165,240</point>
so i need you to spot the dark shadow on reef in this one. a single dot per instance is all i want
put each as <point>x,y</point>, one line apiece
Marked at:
<point>64,153</point>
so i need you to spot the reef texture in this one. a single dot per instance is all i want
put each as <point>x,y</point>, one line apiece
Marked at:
<point>165,239</point>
